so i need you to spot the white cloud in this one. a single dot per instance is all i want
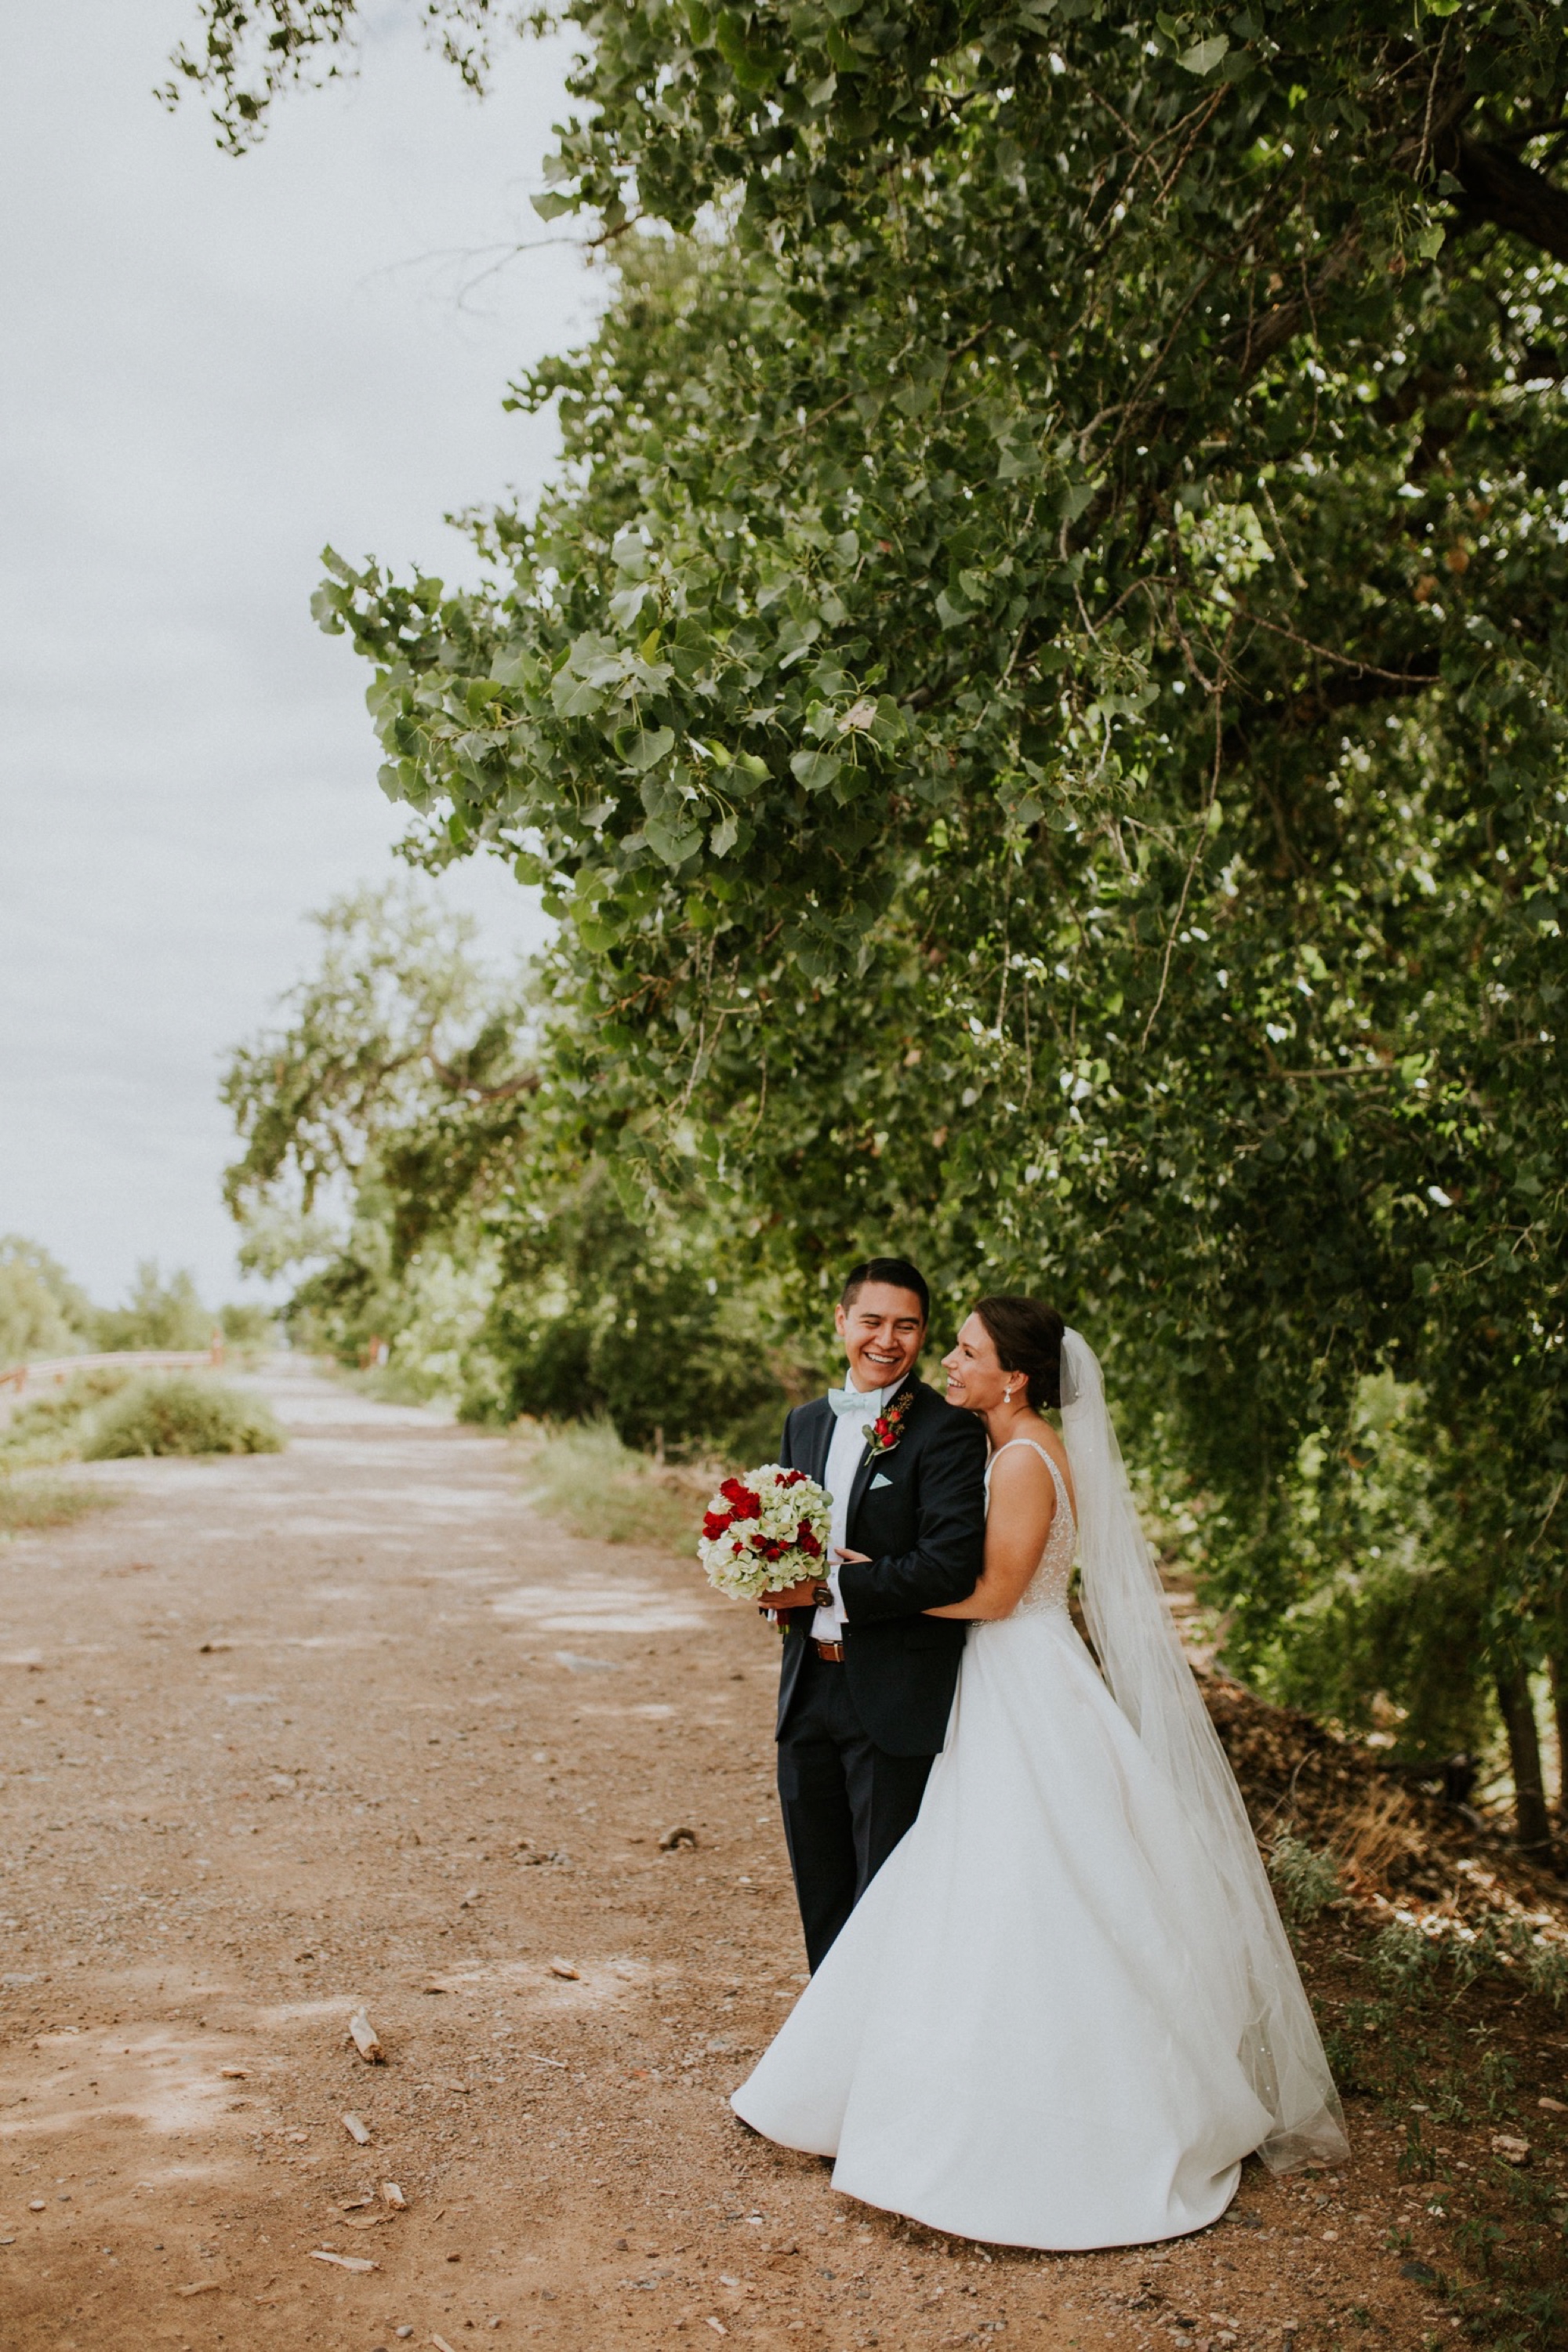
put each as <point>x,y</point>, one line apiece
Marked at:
<point>211,367</point>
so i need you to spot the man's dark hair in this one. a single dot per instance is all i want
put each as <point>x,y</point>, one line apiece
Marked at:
<point>895,1270</point>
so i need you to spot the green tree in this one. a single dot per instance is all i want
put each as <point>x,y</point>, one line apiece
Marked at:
<point>496,1260</point>
<point>42,1311</point>
<point>1040,695</point>
<point>158,1313</point>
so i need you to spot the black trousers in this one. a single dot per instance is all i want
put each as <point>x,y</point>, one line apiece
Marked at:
<point>846,1801</point>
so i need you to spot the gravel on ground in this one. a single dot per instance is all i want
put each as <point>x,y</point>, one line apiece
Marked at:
<point>350,1729</point>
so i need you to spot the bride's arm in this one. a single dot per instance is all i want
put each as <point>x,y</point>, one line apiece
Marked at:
<point>1023,1505</point>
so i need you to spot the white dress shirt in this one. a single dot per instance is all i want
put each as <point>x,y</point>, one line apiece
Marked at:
<point>849,1444</point>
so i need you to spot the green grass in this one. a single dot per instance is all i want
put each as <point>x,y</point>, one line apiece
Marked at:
<point>180,1414</point>
<point>395,1384</point>
<point>595,1485</point>
<point>1305,1882</point>
<point>30,1504</point>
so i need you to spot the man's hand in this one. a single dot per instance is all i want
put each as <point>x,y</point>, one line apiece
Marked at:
<point>792,1596</point>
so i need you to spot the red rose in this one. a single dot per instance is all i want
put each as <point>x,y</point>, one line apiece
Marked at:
<point>807,1540</point>
<point>715,1523</point>
<point>743,1504</point>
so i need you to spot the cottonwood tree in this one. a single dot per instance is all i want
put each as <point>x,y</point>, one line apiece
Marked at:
<point>1040,695</point>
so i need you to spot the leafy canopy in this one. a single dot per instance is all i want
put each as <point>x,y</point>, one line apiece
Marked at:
<point>1038,692</point>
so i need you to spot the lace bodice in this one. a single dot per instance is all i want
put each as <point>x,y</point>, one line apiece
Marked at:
<point>1047,1588</point>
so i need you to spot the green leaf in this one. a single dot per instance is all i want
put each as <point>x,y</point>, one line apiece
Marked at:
<point>815,769</point>
<point>550,203</point>
<point>1203,56</point>
<point>747,776</point>
<point>672,838</point>
<point>576,698</point>
<point>753,66</point>
<point>648,749</point>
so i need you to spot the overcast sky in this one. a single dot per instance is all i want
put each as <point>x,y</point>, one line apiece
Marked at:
<point>209,369</point>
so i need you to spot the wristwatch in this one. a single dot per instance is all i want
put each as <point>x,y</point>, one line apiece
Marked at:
<point>822,1594</point>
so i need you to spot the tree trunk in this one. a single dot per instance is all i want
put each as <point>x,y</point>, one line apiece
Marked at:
<point>1558,1666</point>
<point>1518,1712</point>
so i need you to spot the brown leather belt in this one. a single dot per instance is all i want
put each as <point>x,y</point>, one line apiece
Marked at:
<point>830,1653</point>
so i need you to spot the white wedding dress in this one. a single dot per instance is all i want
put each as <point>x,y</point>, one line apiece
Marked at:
<point>1028,2031</point>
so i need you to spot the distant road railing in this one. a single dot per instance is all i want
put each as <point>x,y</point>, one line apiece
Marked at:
<point>53,1372</point>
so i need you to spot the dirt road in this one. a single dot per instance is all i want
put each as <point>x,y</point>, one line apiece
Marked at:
<point>349,1726</point>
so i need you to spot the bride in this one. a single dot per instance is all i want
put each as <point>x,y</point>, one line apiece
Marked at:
<point>1065,2009</point>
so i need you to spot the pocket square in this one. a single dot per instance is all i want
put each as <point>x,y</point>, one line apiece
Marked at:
<point>880,1481</point>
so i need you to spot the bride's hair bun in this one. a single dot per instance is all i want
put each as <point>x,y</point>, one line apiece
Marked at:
<point>1027,1338</point>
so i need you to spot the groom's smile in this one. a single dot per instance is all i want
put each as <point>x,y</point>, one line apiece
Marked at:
<point>883,1329</point>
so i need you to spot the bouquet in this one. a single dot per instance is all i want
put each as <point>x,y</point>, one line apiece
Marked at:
<point>764,1531</point>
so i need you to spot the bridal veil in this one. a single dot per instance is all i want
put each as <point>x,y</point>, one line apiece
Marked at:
<point>1141,1658</point>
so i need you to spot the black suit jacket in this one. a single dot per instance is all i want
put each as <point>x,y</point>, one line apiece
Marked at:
<point>920,1512</point>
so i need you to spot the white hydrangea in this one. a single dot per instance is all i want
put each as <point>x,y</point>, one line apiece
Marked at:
<point>765,1530</point>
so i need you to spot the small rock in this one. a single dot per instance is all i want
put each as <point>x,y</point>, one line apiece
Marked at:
<point>673,1838</point>
<point>34,2205</point>
<point>1552,2106</point>
<point>392,2195</point>
<point>365,2039</point>
<point>1512,2151</point>
<point>565,1968</point>
<point>356,2130</point>
<point>234,2074</point>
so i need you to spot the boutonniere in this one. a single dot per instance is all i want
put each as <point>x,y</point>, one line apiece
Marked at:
<point>883,1434</point>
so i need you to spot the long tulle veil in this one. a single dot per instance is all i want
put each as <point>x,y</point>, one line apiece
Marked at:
<point>1142,1659</point>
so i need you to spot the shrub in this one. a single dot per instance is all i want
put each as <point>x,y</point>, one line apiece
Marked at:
<point>1402,1959</point>
<point>1306,1880</point>
<point>248,1325</point>
<point>48,1427</point>
<point>184,1414</point>
<point>1546,1972</point>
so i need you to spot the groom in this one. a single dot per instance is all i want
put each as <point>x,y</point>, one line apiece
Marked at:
<point>868,1681</point>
